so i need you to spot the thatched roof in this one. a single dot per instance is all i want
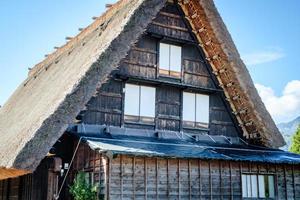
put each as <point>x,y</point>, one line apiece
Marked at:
<point>43,106</point>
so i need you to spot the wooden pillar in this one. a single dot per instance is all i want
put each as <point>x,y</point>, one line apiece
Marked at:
<point>145,177</point>
<point>220,171</point>
<point>189,177</point>
<point>168,181</point>
<point>200,185</point>
<point>157,181</point>
<point>108,177</point>
<point>210,179</point>
<point>285,183</point>
<point>133,177</point>
<point>294,185</point>
<point>178,178</point>
<point>241,173</point>
<point>230,179</point>
<point>121,176</point>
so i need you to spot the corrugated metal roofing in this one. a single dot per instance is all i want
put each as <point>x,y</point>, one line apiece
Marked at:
<point>138,146</point>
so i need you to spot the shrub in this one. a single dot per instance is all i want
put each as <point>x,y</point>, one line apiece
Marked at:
<point>81,189</point>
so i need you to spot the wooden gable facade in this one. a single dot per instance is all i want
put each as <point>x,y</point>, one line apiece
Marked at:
<point>162,154</point>
<point>141,67</point>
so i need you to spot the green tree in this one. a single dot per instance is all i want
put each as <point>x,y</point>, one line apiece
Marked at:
<point>295,147</point>
<point>81,189</point>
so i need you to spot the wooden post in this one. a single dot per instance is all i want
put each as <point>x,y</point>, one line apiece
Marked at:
<point>241,173</point>
<point>189,176</point>
<point>210,179</point>
<point>220,170</point>
<point>145,177</point>
<point>294,185</point>
<point>230,179</point>
<point>109,177</point>
<point>121,176</point>
<point>133,176</point>
<point>168,181</point>
<point>200,185</point>
<point>156,179</point>
<point>179,179</point>
<point>276,183</point>
<point>285,183</point>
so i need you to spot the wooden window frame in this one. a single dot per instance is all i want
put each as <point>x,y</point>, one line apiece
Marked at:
<point>169,73</point>
<point>194,124</point>
<point>257,185</point>
<point>139,119</point>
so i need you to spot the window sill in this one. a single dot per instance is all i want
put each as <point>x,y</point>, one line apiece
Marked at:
<point>195,128</point>
<point>139,123</point>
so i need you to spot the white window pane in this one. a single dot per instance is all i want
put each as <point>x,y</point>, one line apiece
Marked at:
<point>164,56</point>
<point>202,108</point>
<point>175,58</point>
<point>254,186</point>
<point>189,106</point>
<point>248,185</point>
<point>244,185</point>
<point>271,187</point>
<point>147,101</point>
<point>261,185</point>
<point>132,100</point>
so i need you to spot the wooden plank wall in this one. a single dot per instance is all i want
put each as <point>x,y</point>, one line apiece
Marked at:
<point>29,187</point>
<point>157,178</point>
<point>106,106</point>
<point>91,162</point>
<point>140,66</point>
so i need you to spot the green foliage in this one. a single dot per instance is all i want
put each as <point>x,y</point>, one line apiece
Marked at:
<point>295,147</point>
<point>81,189</point>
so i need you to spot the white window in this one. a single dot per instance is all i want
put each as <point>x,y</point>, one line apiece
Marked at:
<point>195,110</point>
<point>258,186</point>
<point>169,59</point>
<point>139,103</point>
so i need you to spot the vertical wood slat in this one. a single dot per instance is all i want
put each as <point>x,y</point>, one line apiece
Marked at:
<point>121,176</point>
<point>157,181</point>
<point>276,183</point>
<point>210,179</point>
<point>109,177</point>
<point>285,183</point>
<point>294,185</point>
<point>179,195</point>
<point>189,178</point>
<point>168,181</point>
<point>145,177</point>
<point>220,171</point>
<point>241,173</point>
<point>133,176</point>
<point>100,173</point>
<point>200,185</point>
<point>230,180</point>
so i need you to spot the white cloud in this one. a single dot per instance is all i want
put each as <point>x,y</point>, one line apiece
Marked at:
<point>285,107</point>
<point>263,56</point>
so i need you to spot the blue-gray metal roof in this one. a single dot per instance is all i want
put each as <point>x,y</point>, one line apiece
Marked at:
<point>155,147</point>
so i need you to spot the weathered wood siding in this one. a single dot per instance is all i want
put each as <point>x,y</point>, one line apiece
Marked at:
<point>157,178</point>
<point>141,67</point>
<point>106,106</point>
<point>29,187</point>
<point>94,164</point>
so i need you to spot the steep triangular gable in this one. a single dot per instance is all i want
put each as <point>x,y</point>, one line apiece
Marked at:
<point>141,67</point>
<point>57,89</point>
<point>231,72</point>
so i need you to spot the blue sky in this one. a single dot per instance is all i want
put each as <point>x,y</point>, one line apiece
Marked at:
<point>265,32</point>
